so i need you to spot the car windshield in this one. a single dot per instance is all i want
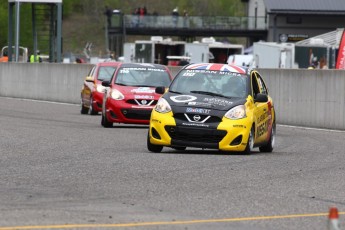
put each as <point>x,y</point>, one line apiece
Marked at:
<point>142,76</point>
<point>105,73</point>
<point>213,83</point>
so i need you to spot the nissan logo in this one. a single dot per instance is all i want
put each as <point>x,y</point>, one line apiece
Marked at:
<point>196,117</point>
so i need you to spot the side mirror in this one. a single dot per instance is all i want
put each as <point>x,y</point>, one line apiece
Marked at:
<point>160,90</point>
<point>89,79</point>
<point>106,83</point>
<point>261,98</point>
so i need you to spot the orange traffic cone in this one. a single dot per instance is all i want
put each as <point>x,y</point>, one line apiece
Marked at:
<point>333,219</point>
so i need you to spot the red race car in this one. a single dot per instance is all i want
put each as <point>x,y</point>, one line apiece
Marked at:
<point>92,90</point>
<point>130,95</point>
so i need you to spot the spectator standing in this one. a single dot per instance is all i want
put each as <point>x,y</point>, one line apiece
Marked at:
<point>311,57</point>
<point>323,63</point>
<point>185,19</point>
<point>175,16</point>
<point>142,13</point>
<point>35,58</point>
<point>136,15</point>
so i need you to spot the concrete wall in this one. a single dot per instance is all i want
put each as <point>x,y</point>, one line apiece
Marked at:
<point>43,81</point>
<point>312,98</point>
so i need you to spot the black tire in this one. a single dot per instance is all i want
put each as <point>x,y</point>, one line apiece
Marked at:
<point>250,142</point>
<point>270,144</point>
<point>84,110</point>
<point>152,147</point>
<point>91,110</point>
<point>105,123</point>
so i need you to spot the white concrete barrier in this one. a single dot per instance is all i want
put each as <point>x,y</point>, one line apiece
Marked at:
<point>311,98</point>
<point>43,81</point>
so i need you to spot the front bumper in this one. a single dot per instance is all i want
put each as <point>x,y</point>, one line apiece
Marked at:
<point>122,112</point>
<point>230,135</point>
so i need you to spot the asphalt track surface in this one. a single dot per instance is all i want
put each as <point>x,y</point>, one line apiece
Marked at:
<point>62,170</point>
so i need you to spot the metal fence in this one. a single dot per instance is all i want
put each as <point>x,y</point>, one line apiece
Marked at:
<point>196,22</point>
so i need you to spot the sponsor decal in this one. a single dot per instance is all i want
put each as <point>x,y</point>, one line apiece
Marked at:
<point>201,104</point>
<point>195,124</point>
<point>143,90</point>
<point>239,126</point>
<point>262,128</point>
<point>127,69</point>
<point>262,117</point>
<point>197,110</point>
<point>217,67</point>
<point>155,120</point>
<point>217,101</point>
<point>270,122</point>
<point>146,97</point>
<point>190,73</point>
<point>183,98</point>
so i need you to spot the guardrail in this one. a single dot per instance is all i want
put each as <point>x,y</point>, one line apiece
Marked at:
<point>311,98</point>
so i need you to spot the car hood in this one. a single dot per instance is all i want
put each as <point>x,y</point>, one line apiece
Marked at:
<point>194,101</point>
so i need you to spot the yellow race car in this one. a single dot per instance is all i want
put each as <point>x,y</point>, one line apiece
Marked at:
<point>214,106</point>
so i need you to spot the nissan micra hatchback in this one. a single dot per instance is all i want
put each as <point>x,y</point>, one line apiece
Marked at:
<point>130,94</point>
<point>92,90</point>
<point>214,106</point>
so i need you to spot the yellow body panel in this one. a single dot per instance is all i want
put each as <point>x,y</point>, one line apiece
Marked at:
<point>256,114</point>
<point>158,121</point>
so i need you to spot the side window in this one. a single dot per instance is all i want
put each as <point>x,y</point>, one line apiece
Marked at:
<point>255,85</point>
<point>92,71</point>
<point>261,84</point>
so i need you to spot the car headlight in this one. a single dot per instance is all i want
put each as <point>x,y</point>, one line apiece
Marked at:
<point>100,88</point>
<point>116,95</point>
<point>162,106</point>
<point>237,112</point>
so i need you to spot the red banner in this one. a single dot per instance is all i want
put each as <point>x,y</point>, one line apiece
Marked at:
<point>341,54</point>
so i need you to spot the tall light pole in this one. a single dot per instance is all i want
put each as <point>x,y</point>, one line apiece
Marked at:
<point>255,14</point>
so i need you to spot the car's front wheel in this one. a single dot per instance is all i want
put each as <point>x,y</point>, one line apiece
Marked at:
<point>91,110</point>
<point>250,142</point>
<point>105,123</point>
<point>270,144</point>
<point>152,147</point>
<point>84,109</point>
